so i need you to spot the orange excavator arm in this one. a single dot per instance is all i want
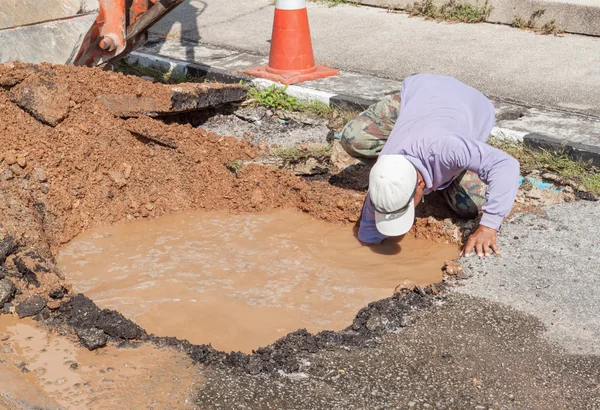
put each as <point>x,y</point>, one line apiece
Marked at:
<point>121,26</point>
<point>80,32</point>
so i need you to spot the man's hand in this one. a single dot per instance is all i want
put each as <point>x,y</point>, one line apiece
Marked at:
<point>482,240</point>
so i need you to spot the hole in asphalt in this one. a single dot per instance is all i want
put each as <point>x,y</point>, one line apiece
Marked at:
<point>241,281</point>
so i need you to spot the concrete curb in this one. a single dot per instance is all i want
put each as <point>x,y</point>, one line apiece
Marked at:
<point>577,18</point>
<point>583,152</point>
<point>514,122</point>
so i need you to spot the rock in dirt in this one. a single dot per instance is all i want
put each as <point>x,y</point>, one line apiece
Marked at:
<point>31,306</point>
<point>118,178</point>
<point>10,159</point>
<point>309,167</point>
<point>58,293</point>
<point>7,291</point>
<point>40,97</point>
<point>39,174</point>
<point>92,338</point>
<point>8,246</point>
<point>142,130</point>
<point>452,268</point>
<point>184,98</point>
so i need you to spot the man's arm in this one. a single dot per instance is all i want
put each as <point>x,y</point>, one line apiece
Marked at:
<point>367,231</point>
<point>500,172</point>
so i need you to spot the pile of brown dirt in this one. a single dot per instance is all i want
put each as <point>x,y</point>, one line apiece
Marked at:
<point>90,170</point>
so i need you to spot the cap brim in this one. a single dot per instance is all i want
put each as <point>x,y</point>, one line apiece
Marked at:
<point>395,224</point>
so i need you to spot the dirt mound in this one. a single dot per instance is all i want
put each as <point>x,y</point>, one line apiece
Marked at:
<point>68,162</point>
<point>89,169</point>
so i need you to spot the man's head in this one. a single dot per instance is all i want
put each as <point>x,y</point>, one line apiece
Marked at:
<point>395,186</point>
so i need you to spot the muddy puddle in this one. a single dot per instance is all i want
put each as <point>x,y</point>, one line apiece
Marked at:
<point>241,281</point>
<point>42,370</point>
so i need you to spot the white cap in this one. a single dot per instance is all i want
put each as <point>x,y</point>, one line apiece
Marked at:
<point>392,184</point>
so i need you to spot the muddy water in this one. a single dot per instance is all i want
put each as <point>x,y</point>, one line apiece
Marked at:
<point>43,370</point>
<point>240,282</point>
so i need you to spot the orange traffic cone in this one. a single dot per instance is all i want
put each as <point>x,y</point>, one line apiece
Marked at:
<point>291,59</point>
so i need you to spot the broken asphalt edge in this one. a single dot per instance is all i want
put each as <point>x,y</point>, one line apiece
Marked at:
<point>577,150</point>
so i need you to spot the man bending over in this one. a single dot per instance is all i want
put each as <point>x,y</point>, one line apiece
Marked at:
<point>432,137</point>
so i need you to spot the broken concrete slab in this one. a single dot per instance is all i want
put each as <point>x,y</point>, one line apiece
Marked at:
<point>39,97</point>
<point>30,306</point>
<point>548,268</point>
<point>184,98</point>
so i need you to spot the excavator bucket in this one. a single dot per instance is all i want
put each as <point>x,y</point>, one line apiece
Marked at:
<point>80,32</point>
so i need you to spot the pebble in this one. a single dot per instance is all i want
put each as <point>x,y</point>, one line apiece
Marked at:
<point>22,161</point>
<point>40,175</point>
<point>10,159</point>
<point>45,188</point>
<point>127,170</point>
<point>59,381</point>
<point>411,404</point>
<point>7,349</point>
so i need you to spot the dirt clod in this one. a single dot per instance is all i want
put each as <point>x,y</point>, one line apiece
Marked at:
<point>39,96</point>
<point>30,306</point>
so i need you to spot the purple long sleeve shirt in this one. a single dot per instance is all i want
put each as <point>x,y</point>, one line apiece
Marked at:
<point>442,130</point>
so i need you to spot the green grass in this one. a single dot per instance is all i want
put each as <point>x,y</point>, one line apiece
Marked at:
<point>166,77</point>
<point>275,98</point>
<point>452,11</point>
<point>579,173</point>
<point>235,167</point>
<point>531,24</point>
<point>551,28</point>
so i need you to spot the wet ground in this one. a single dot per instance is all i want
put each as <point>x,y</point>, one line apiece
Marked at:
<point>44,370</point>
<point>240,282</point>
